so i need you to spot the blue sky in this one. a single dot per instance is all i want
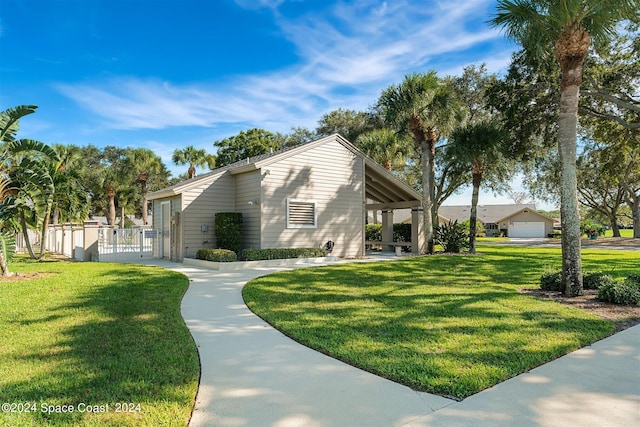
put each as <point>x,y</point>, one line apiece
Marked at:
<point>163,74</point>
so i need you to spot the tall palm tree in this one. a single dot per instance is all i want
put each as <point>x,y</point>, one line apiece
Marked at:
<point>71,202</point>
<point>194,157</point>
<point>146,165</point>
<point>385,147</point>
<point>423,108</point>
<point>565,28</point>
<point>479,145</point>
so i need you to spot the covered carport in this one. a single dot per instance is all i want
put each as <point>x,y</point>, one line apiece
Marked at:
<point>386,193</point>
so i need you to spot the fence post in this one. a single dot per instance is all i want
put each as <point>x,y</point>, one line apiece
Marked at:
<point>90,245</point>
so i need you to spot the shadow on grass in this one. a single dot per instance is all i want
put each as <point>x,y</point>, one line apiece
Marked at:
<point>121,340</point>
<point>446,325</point>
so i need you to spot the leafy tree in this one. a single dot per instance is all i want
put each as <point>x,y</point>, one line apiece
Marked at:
<point>423,108</point>
<point>194,157</point>
<point>245,144</point>
<point>612,79</point>
<point>479,145</point>
<point>298,135</point>
<point>564,27</point>
<point>348,123</point>
<point>600,184</point>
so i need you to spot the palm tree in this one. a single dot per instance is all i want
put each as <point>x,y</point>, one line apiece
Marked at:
<point>565,28</point>
<point>194,157</point>
<point>146,165</point>
<point>423,108</point>
<point>479,145</point>
<point>71,201</point>
<point>385,147</point>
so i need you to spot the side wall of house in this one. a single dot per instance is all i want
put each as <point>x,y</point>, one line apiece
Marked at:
<point>199,206</point>
<point>248,201</point>
<point>328,175</point>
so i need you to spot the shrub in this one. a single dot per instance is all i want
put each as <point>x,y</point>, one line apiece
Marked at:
<point>627,292</point>
<point>591,228</point>
<point>480,231</point>
<point>556,234</point>
<point>281,253</point>
<point>373,232</point>
<point>216,255</point>
<point>595,280</point>
<point>551,281</point>
<point>453,237</point>
<point>634,278</point>
<point>228,230</point>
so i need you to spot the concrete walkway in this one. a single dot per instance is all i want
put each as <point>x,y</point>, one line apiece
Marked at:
<point>254,376</point>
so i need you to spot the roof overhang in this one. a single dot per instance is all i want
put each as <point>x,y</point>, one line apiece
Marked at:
<point>386,191</point>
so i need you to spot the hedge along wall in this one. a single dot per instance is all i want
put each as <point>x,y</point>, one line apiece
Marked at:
<point>228,229</point>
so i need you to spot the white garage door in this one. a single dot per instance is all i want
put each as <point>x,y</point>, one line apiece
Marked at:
<point>526,229</point>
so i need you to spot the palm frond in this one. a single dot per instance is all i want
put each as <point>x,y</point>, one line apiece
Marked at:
<point>9,121</point>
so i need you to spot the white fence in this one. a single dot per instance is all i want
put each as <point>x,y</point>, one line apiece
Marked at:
<point>91,242</point>
<point>123,244</point>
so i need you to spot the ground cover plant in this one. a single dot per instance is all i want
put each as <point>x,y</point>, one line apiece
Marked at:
<point>91,335</point>
<point>449,324</point>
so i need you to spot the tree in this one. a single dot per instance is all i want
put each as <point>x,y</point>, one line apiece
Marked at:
<point>348,123</point>
<point>148,169</point>
<point>612,79</point>
<point>386,147</point>
<point>71,198</point>
<point>423,108</point>
<point>245,144</point>
<point>479,145</point>
<point>600,184</point>
<point>566,28</point>
<point>194,157</point>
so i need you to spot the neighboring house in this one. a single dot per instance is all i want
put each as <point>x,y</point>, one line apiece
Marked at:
<point>521,220</point>
<point>304,196</point>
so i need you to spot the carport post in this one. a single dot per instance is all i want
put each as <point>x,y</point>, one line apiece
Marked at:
<point>418,245</point>
<point>387,227</point>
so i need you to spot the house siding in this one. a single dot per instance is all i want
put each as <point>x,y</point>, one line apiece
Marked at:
<point>248,201</point>
<point>329,175</point>
<point>199,206</point>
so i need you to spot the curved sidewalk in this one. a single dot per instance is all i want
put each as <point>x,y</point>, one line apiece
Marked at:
<point>254,376</point>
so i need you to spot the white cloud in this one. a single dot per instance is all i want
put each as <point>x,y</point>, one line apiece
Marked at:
<point>348,53</point>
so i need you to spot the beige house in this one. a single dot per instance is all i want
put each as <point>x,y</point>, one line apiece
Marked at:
<point>518,220</point>
<point>304,196</point>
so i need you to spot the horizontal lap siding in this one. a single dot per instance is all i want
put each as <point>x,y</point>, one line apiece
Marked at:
<point>248,202</point>
<point>200,204</point>
<point>329,175</point>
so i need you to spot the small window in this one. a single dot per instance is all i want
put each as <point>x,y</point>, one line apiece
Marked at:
<point>301,214</point>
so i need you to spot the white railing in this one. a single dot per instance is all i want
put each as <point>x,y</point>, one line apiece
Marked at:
<point>121,244</point>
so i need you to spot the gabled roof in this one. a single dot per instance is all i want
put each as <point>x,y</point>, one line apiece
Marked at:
<point>381,186</point>
<point>533,211</point>
<point>487,214</point>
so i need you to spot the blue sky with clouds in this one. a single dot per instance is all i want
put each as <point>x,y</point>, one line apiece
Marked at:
<point>164,74</point>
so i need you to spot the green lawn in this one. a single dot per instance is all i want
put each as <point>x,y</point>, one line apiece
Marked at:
<point>96,334</point>
<point>450,325</point>
<point>623,233</point>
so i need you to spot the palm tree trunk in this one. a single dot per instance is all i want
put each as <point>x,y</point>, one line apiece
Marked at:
<point>473,218</point>
<point>25,233</point>
<point>144,203</point>
<point>43,234</point>
<point>427,201</point>
<point>3,265</point>
<point>569,213</point>
<point>112,211</point>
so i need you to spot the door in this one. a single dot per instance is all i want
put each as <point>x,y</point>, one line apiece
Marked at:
<point>526,229</point>
<point>165,251</point>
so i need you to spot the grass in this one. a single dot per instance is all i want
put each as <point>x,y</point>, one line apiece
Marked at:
<point>450,325</point>
<point>627,232</point>
<point>96,334</point>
